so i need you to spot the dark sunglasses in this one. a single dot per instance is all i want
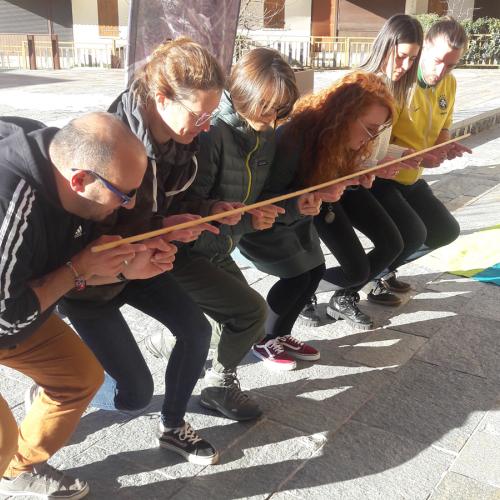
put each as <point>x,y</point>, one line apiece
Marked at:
<point>125,198</point>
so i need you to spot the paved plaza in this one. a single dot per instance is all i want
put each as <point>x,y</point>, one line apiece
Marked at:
<point>409,410</point>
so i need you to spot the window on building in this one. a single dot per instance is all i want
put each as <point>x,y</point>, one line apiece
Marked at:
<point>107,15</point>
<point>274,14</point>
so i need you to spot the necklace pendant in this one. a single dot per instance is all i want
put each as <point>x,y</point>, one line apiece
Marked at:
<point>329,217</point>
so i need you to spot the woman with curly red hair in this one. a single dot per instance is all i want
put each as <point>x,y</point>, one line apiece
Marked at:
<point>394,58</point>
<point>324,139</point>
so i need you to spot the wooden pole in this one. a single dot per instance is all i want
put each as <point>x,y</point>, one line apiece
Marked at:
<point>270,201</point>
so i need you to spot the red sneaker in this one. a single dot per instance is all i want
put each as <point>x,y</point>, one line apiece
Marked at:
<point>273,355</point>
<point>297,349</point>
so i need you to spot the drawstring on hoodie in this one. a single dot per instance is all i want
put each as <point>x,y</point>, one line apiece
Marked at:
<point>155,187</point>
<point>176,191</point>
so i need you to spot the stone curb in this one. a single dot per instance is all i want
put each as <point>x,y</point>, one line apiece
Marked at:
<point>477,123</point>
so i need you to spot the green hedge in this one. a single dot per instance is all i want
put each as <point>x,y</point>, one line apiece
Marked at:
<point>481,49</point>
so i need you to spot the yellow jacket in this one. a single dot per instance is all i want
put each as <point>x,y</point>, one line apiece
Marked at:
<point>419,124</point>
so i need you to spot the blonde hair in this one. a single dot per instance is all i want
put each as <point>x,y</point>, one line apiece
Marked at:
<point>176,68</point>
<point>260,82</point>
<point>321,122</point>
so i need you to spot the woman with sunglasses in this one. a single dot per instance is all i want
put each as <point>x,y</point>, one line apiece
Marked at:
<point>169,103</point>
<point>394,58</point>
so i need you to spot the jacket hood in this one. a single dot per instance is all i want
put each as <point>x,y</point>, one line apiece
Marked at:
<point>25,152</point>
<point>132,112</point>
<point>229,116</point>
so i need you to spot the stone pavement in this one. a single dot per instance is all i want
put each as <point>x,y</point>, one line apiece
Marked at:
<point>409,410</point>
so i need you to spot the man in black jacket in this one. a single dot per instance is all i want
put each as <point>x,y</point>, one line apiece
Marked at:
<point>54,184</point>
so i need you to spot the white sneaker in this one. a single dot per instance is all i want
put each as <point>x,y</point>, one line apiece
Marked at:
<point>44,482</point>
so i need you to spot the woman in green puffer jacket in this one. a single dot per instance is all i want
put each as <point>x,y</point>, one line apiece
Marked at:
<point>235,158</point>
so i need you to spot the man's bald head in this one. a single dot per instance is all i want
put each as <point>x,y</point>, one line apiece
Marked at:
<point>92,142</point>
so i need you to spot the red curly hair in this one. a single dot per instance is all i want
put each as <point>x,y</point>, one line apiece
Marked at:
<point>321,122</point>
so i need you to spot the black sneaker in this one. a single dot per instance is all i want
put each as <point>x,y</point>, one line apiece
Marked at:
<point>225,396</point>
<point>391,283</point>
<point>309,316</point>
<point>343,305</point>
<point>184,441</point>
<point>380,295</point>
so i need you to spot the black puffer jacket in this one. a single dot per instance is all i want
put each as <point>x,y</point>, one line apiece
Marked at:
<point>234,163</point>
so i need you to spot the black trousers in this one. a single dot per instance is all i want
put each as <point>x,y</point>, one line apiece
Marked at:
<point>359,209</point>
<point>422,220</point>
<point>287,297</point>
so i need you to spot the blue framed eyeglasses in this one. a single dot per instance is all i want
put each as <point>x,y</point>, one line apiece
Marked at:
<point>125,198</point>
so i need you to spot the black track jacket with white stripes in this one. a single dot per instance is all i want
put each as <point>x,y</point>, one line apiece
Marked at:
<point>36,234</point>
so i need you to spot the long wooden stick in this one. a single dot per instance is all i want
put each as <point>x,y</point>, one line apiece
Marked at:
<point>270,201</point>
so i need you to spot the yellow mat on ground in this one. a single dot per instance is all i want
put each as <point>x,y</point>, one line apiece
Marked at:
<point>475,255</point>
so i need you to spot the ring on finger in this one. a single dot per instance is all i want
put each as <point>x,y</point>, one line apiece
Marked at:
<point>125,261</point>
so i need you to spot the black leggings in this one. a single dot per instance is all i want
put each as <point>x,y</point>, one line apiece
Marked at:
<point>423,221</point>
<point>287,298</point>
<point>359,209</point>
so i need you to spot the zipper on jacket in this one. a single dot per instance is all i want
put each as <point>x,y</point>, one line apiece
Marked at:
<point>249,170</point>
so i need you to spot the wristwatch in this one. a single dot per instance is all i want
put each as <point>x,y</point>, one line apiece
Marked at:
<point>80,283</point>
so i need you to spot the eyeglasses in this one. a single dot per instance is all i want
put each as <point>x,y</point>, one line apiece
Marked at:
<point>200,119</point>
<point>381,129</point>
<point>125,198</point>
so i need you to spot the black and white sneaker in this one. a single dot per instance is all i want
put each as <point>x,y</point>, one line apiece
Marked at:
<point>382,296</point>
<point>224,395</point>
<point>309,316</point>
<point>184,441</point>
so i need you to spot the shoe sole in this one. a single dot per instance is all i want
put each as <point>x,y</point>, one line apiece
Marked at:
<point>380,303</point>
<point>220,409</point>
<point>273,366</point>
<point>332,313</point>
<point>76,496</point>
<point>303,357</point>
<point>193,459</point>
<point>307,322</point>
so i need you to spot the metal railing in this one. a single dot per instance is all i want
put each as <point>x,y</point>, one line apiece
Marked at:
<point>323,53</point>
<point>312,52</point>
<point>15,53</point>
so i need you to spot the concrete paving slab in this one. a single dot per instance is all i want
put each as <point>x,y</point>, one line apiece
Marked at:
<point>457,487</point>
<point>270,452</point>
<point>110,475</point>
<point>480,459</point>
<point>325,403</point>
<point>427,313</point>
<point>431,405</point>
<point>365,462</point>
<point>385,348</point>
<point>491,423</point>
<point>467,344</point>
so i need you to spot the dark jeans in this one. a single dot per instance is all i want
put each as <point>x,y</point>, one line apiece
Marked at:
<point>423,221</point>
<point>287,298</point>
<point>111,340</point>
<point>359,209</point>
